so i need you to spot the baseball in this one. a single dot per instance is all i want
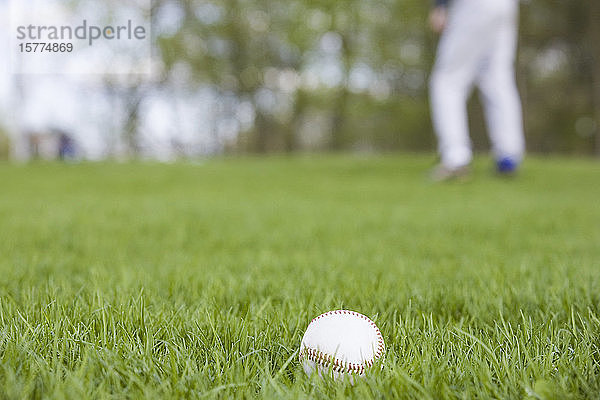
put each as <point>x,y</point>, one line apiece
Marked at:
<point>343,342</point>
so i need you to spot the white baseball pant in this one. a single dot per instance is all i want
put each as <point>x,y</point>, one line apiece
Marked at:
<point>478,48</point>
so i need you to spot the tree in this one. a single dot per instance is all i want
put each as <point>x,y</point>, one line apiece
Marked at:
<point>594,30</point>
<point>247,51</point>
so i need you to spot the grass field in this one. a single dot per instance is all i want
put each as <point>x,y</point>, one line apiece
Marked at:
<point>198,280</point>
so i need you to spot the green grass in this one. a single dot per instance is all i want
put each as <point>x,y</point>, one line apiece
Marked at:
<point>198,280</point>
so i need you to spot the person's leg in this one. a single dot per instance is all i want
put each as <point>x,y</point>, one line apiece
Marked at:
<point>462,47</point>
<point>501,100</point>
<point>449,115</point>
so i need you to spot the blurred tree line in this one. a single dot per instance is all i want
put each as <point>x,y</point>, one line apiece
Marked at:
<point>352,75</point>
<point>316,75</point>
<point>343,75</point>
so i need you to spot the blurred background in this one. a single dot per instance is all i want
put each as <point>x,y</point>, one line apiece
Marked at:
<point>260,76</point>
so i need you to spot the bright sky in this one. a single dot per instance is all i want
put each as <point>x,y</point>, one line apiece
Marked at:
<point>75,103</point>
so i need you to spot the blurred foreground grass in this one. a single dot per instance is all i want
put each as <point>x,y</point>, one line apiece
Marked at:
<point>198,280</point>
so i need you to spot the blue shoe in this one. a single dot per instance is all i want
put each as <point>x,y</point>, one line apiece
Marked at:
<point>507,166</point>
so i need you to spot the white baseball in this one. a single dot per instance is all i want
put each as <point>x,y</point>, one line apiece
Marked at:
<point>344,342</point>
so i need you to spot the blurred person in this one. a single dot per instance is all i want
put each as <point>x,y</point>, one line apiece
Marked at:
<point>66,146</point>
<point>477,47</point>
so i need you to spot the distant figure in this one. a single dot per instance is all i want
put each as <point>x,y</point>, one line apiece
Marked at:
<point>66,147</point>
<point>34,141</point>
<point>477,47</point>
